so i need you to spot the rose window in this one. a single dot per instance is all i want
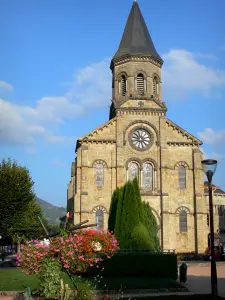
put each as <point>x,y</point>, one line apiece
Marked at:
<point>141,139</point>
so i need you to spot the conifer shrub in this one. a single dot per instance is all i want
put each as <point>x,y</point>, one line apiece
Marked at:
<point>140,238</point>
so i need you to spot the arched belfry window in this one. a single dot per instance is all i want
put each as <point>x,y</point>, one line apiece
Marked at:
<point>155,85</point>
<point>99,219</point>
<point>123,85</point>
<point>99,174</point>
<point>140,84</point>
<point>133,171</point>
<point>148,176</point>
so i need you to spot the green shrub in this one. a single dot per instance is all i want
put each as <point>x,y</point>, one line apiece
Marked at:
<point>140,238</point>
<point>138,263</point>
<point>112,210</point>
<point>151,225</point>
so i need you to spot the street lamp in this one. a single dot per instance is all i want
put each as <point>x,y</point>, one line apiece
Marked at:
<point>209,168</point>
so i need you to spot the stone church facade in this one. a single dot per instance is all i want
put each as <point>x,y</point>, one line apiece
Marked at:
<point>139,140</point>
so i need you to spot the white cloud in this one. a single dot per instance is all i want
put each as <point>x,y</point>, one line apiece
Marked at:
<point>183,74</point>
<point>213,137</point>
<point>91,88</point>
<point>219,157</point>
<point>23,125</point>
<point>6,85</point>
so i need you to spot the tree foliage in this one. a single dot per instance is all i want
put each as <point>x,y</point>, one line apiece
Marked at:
<point>119,212</point>
<point>112,210</point>
<point>151,225</point>
<point>18,209</point>
<point>135,225</point>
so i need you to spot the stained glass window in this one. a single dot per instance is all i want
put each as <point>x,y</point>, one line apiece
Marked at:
<point>133,171</point>
<point>148,176</point>
<point>99,219</point>
<point>99,173</point>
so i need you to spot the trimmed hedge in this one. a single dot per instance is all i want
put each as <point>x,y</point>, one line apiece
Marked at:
<point>146,264</point>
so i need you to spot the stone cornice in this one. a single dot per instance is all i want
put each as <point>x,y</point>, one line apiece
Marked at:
<point>170,143</point>
<point>99,141</point>
<point>145,98</point>
<point>144,58</point>
<point>138,111</point>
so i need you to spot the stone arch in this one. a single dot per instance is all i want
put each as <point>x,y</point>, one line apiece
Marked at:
<point>123,73</point>
<point>140,71</point>
<point>181,163</point>
<point>99,207</point>
<point>140,122</point>
<point>157,216</point>
<point>99,161</point>
<point>156,75</point>
<point>182,208</point>
<point>133,159</point>
<point>151,160</point>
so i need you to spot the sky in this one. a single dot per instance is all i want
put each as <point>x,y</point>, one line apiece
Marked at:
<point>55,81</point>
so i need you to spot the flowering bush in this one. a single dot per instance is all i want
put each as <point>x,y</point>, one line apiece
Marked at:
<point>76,252</point>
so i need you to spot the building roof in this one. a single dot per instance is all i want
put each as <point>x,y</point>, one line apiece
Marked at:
<point>136,39</point>
<point>216,189</point>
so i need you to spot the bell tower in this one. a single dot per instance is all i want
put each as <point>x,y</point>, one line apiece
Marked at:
<point>136,66</point>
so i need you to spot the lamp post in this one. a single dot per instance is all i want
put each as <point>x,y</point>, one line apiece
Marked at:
<point>209,168</point>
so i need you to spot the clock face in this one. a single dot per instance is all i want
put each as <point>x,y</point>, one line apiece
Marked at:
<point>141,139</point>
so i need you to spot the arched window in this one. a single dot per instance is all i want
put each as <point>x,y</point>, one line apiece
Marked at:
<point>123,85</point>
<point>183,221</point>
<point>182,176</point>
<point>133,171</point>
<point>99,219</point>
<point>140,84</point>
<point>148,174</point>
<point>155,86</point>
<point>99,174</point>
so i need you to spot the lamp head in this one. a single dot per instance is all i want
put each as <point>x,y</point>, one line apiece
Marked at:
<point>209,168</point>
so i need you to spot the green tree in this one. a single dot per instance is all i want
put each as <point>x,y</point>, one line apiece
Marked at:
<point>112,210</point>
<point>18,209</point>
<point>119,212</point>
<point>138,200</point>
<point>151,225</point>
<point>130,215</point>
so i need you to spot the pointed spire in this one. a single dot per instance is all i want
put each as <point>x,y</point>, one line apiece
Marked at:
<point>136,39</point>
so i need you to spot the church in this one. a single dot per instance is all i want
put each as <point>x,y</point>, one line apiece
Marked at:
<point>140,141</point>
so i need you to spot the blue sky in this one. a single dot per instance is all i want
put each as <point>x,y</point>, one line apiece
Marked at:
<point>55,82</point>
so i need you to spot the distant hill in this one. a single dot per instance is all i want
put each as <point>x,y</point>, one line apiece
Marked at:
<point>52,213</point>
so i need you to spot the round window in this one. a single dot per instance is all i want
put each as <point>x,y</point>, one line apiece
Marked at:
<point>141,139</point>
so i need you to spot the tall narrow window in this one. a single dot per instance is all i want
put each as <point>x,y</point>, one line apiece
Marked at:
<point>99,219</point>
<point>133,171</point>
<point>123,85</point>
<point>99,174</point>
<point>155,86</point>
<point>183,221</point>
<point>148,176</point>
<point>140,84</point>
<point>182,176</point>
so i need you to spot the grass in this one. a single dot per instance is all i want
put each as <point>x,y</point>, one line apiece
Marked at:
<point>184,297</point>
<point>12,279</point>
<point>131,283</point>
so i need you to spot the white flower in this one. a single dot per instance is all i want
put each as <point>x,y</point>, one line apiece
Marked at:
<point>96,246</point>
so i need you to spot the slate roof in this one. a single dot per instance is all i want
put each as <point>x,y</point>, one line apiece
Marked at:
<point>217,189</point>
<point>136,39</point>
